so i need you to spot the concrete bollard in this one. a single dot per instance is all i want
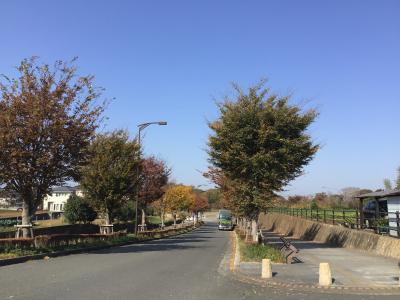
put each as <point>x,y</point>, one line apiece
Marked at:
<point>325,275</point>
<point>266,270</point>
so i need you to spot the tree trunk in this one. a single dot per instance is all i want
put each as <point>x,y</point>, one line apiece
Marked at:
<point>239,223</point>
<point>248,229</point>
<point>245,228</point>
<point>254,230</point>
<point>143,218</point>
<point>162,218</point>
<point>108,220</point>
<point>26,218</point>
<point>194,219</point>
<point>174,220</point>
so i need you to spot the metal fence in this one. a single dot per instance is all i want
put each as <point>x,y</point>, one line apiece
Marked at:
<point>385,223</point>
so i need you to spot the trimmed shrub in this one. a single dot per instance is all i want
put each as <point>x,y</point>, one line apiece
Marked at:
<point>9,222</point>
<point>126,212</point>
<point>78,210</point>
<point>66,240</point>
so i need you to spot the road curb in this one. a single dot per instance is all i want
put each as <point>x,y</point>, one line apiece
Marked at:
<point>22,259</point>
<point>334,289</point>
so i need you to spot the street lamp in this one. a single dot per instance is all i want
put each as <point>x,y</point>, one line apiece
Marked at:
<point>140,128</point>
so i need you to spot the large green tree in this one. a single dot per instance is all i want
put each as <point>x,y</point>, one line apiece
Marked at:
<point>48,116</point>
<point>109,179</point>
<point>258,145</point>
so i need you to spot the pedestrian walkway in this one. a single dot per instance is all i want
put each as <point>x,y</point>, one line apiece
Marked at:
<point>349,267</point>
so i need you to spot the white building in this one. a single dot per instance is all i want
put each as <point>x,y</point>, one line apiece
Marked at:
<point>391,199</point>
<point>55,202</point>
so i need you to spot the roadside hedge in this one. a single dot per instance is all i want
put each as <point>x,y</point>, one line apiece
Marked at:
<point>13,243</point>
<point>61,241</point>
<point>8,222</point>
<point>55,241</point>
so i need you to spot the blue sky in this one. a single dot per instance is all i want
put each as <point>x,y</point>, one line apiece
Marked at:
<point>170,60</point>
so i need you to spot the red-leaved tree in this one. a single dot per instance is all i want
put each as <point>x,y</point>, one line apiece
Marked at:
<point>200,204</point>
<point>154,176</point>
<point>48,117</point>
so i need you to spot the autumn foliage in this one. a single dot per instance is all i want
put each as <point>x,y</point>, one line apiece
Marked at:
<point>178,198</point>
<point>259,143</point>
<point>153,178</point>
<point>48,118</point>
<point>199,204</point>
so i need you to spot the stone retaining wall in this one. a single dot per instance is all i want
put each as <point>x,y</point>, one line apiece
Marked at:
<point>334,235</point>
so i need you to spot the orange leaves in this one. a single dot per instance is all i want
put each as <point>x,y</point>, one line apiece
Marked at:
<point>179,198</point>
<point>200,203</point>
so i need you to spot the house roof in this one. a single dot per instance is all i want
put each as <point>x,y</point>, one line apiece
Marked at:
<point>380,194</point>
<point>65,189</point>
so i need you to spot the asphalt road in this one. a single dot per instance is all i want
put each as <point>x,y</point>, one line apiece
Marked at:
<point>189,266</point>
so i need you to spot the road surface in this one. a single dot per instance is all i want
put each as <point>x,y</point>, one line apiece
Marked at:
<point>183,267</point>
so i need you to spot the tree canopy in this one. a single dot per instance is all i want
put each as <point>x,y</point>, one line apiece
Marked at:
<point>200,203</point>
<point>109,179</point>
<point>396,184</point>
<point>153,177</point>
<point>178,198</point>
<point>258,145</point>
<point>78,210</point>
<point>48,118</point>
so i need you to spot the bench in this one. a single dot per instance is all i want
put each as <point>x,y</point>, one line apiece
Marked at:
<point>20,229</point>
<point>289,250</point>
<point>106,229</point>
<point>142,227</point>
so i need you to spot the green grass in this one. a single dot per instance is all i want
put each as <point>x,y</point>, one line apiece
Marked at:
<point>339,215</point>
<point>154,219</point>
<point>257,252</point>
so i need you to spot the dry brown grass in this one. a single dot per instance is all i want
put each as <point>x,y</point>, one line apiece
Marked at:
<point>6,213</point>
<point>50,223</point>
<point>61,221</point>
<point>7,255</point>
<point>9,213</point>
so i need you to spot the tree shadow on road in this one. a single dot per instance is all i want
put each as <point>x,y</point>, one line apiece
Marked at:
<point>193,240</point>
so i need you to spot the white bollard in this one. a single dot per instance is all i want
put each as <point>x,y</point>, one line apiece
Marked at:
<point>325,275</point>
<point>266,270</point>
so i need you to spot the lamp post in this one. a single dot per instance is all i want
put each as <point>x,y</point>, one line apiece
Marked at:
<point>140,128</point>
